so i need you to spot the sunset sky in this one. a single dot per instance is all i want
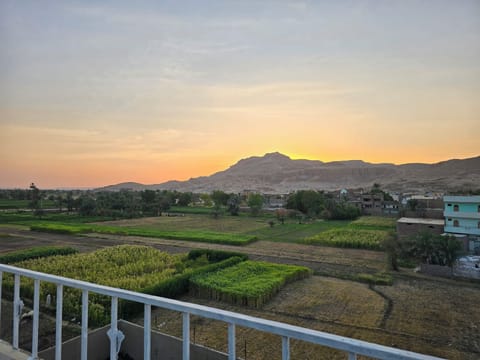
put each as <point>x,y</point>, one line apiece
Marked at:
<point>97,93</point>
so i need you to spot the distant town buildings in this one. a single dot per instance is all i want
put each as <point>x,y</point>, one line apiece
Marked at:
<point>409,227</point>
<point>462,219</point>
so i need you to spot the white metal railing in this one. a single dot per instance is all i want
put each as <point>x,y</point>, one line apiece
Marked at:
<point>351,346</point>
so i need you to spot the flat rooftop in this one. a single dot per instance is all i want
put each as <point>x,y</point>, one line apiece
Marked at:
<point>462,199</point>
<point>405,220</point>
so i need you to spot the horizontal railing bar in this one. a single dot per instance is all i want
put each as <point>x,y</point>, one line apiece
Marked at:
<point>313,336</point>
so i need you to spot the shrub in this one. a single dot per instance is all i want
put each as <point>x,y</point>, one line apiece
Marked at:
<point>35,253</point>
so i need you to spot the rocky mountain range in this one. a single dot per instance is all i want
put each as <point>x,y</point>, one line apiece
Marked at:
<point>277,173</point>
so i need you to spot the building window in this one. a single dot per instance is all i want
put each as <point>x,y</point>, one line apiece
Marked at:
<point>478,208</point>
<point>479,224</point>
<point>455,207</point>
<point>455,223</point>
<point>449,204</point>
<point>449,219</point>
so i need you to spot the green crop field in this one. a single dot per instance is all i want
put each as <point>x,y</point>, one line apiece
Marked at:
<point>130,267</point>
<point>192,235</point>
<point>365,232</point>
<point>27,218</point>
<point>196,222</point>
<point>23,204</point>
<point>248,283</point>
<point>349,238</point>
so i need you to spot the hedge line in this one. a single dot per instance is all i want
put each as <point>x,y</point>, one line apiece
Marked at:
<point>199,236</point>
<point>35,253</point>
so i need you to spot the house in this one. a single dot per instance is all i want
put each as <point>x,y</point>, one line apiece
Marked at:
<point>462,219</point>
<point>409,227</point>
<point>372,204</point>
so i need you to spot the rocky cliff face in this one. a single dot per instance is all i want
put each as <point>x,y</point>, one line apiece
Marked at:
<point>277,173</point>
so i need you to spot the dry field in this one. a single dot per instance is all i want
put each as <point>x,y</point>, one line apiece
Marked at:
<point>232,224</point>
<point>396,317</point>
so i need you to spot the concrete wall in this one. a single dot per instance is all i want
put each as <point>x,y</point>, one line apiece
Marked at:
<point>406,230</point>
<point>459,270</point>
<point>436,270</point>
<point>98,347</point>
<point>163,346</point>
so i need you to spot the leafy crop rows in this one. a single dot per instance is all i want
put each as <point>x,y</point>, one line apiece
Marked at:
<point>249,283</point>
<point>349,238</point>
<point>200,236</point>
<point>138,268</point>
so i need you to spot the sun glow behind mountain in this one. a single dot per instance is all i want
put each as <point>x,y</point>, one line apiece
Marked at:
<point>101,93</point>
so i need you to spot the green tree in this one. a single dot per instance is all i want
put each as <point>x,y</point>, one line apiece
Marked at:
<point>70,203</point>
<point>184,199</point>
<point>164,200</point>
<point>35,200</point>
<point>149,202</point>
<point>424,248</point>
<point>87,205</point>
<point>220,197</point>
<point>412,204</point>
<point>206,199</point>
<point>281,215</point>
<point>233,204</point>
<point>255,202</point>
<point>448,248</point>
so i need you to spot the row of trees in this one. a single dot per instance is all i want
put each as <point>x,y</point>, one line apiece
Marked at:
<point>126,203</point>
<point>318,204</point>
<point>232,202</point>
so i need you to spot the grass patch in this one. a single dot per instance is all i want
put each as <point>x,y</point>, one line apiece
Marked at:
<point>200,236</point>
<point>294,232</point>
<point>375,222</point>
<point>27,218</point>
<point>23,204</point>
<point>249,283</point>
<point>35,253</point>
<point>381,278</point>
<point>349,238</point>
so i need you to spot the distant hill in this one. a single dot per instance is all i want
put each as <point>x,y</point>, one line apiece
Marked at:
<point>277,173</point>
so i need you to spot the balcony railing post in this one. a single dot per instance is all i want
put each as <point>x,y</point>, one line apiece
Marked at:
<point>36,317</point>
<point>114,329</point>
<point>17,309</point>
<point>231,342</point>
<point>147,328</point>
<point>186,336</point>
<point>58,323</point>
<point>84,351</point>
<point>285,348</point>
<point>352,356</point>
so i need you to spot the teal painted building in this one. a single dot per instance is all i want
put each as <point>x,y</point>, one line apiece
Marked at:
<point>462,217</point>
